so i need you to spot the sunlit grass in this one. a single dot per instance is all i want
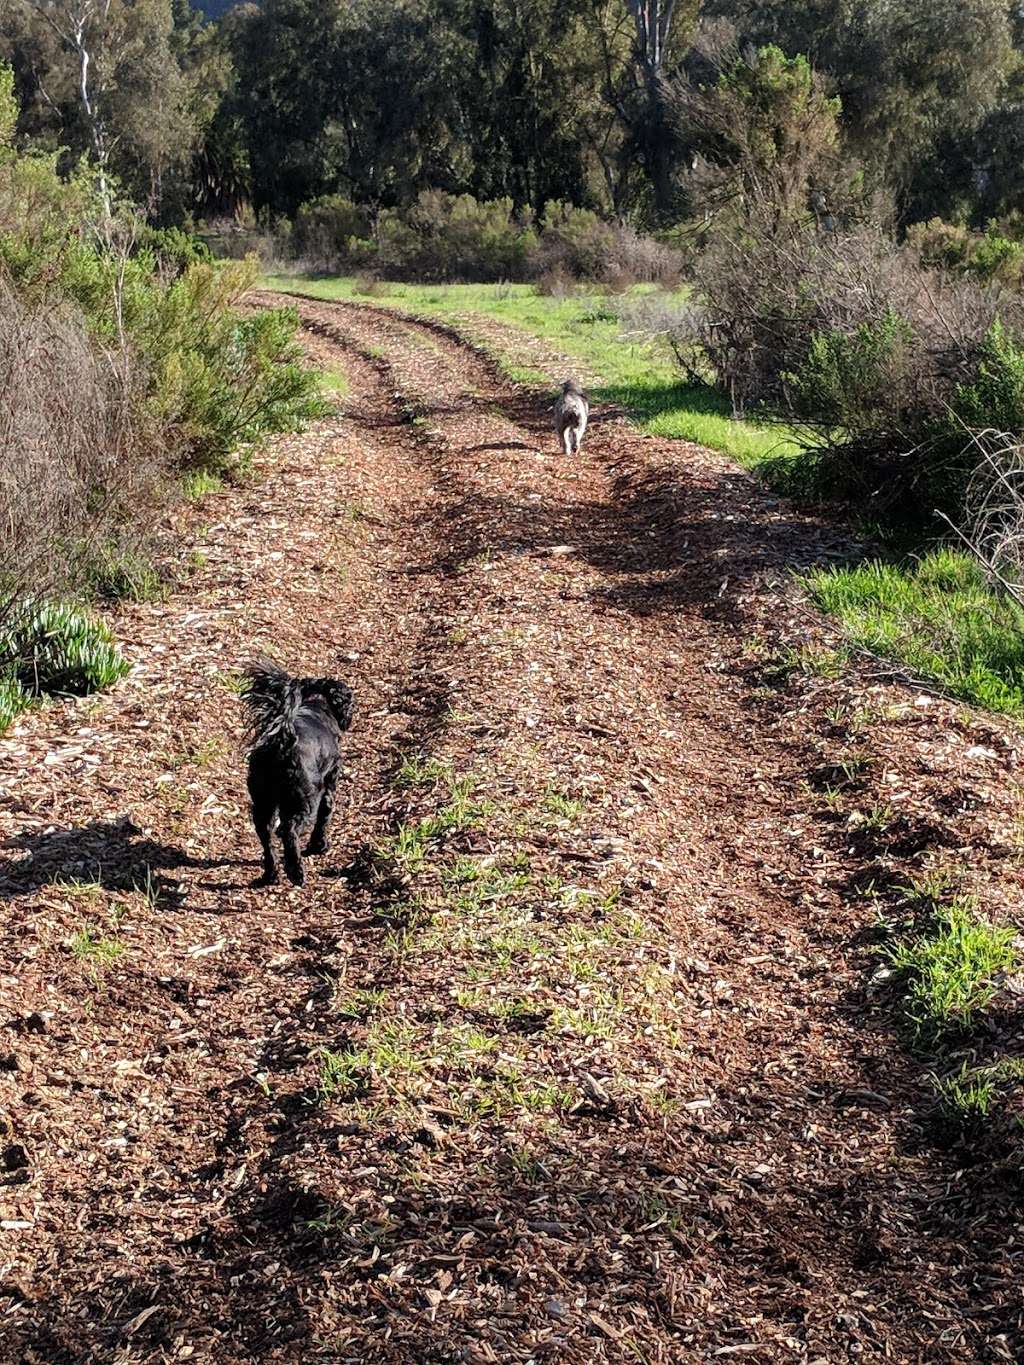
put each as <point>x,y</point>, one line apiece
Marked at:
<point>949,968</point>
<point>95,951</point>
<point>937,617</point>
<point>335,380</point>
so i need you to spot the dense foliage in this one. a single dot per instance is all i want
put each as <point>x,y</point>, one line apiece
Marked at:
<point>598,103</point>
<point>456,237</point>
<point>124,364</point>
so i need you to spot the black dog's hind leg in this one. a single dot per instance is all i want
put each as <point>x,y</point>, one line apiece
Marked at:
<point>291,829</point>
<point>318,839</point>
<point>263,818</point>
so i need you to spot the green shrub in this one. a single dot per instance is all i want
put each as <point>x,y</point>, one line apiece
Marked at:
<point>455,237</point>
<point>861,378</point>
<point>446,237</point>
<point>217,380</point>
<point>890,368</point>
<point>997,258</point>
<point>940,245</point>
<point>995,398</point>
<point>333,234</point>
<point>575,242</point>
<point>222,380</point>
<point>56,649</point>
<point>988,255</point>
<point>52,649</point>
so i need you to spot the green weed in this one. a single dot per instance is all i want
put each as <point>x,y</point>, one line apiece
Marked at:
<point>95,951</point>
<point>932,887</point>
<point>966,1095</point>
<point>949,969</point>
<point>563,806</point>
<point>360,1004</point>
<point>121,573</point>
<point>875,820</point>
<point>231,682</point>
<point>815,660</point>
<point>340,1075</point>
<point>197,483</point>
<point>417,770</point>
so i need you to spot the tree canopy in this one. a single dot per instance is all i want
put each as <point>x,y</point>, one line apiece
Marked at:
<point>606,104</point>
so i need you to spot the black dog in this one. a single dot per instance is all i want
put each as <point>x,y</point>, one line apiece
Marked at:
<point>294,725</point>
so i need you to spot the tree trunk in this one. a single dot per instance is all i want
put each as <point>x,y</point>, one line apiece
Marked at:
<point>652,20</point>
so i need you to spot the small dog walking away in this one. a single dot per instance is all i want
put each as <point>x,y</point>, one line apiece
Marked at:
<point>571,413</point>
<point>294,726</point>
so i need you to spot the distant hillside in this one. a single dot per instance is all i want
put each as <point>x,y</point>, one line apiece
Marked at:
<point>213,9</point>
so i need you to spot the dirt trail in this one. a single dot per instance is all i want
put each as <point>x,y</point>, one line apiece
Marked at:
<point>566,1052</point>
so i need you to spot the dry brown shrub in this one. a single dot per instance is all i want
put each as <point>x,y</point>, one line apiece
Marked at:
<point>766,292</point>
<point>80,465</point>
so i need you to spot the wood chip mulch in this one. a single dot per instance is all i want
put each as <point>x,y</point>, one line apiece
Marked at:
<point>571,1049</point>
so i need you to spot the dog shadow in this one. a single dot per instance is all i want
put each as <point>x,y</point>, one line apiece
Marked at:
<point>110,854</point>
<point>500,445</point>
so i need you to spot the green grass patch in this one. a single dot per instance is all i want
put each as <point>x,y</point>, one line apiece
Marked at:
<point>416,770</point>
<point>95,951</point>
<point>198,482</point>
<point>340,1075</point>
<point>116,572</point>
<point>564,806</point>
<point>522,976</point>
<point>640,375</point>
<point>938,618</point>
<point>949,968</point>
<point>335,380</point>
<point>413,840</point>
<point>969,1095</point>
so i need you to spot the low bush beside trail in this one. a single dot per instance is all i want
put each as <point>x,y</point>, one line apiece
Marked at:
<point>443,237</point>
<point>888,368</point>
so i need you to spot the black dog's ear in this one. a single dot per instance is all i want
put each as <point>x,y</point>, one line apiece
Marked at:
<point>339,698</point>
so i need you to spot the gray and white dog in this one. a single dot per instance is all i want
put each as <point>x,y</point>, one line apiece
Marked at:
<point>571,413</point>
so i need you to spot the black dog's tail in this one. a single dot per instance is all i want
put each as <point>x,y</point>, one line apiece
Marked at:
<point>271,698</point>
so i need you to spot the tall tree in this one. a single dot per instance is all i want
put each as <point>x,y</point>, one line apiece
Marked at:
<point>765,142</point>
<point>912,76</point>
<point>103,78</point>
<point>660,45</point>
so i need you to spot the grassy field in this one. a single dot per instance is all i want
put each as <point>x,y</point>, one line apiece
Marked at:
<point>641,375</point>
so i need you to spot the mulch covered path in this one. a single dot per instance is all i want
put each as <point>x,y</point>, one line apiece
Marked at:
<point>570,1050</point>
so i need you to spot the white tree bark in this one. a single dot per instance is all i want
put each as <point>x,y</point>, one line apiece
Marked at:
<point>653,22</point>
<point>81,25</point>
